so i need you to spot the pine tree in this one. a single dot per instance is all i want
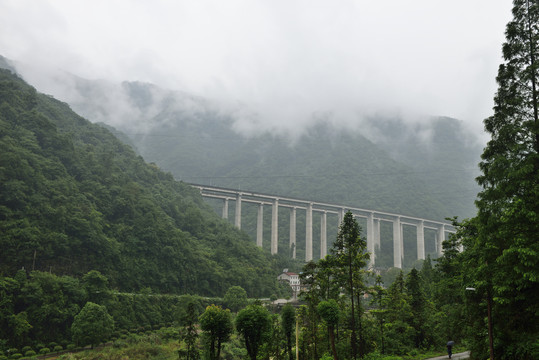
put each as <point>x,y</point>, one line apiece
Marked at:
<point>504,256</point>
<point>350,258</point>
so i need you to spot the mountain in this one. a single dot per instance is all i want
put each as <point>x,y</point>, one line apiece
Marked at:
<point>74,198</point>
<point>421,169</point>
<point>424,168</point>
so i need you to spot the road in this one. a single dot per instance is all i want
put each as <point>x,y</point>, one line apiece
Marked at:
<point>459,356</point>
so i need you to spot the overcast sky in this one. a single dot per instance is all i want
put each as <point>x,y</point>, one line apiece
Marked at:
<point>284,59</point>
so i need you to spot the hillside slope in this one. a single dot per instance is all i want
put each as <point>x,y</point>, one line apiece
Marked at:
<point>74,198</point>
<point>198,141</point>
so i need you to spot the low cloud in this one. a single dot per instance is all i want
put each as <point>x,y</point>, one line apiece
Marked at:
<point>276,65</point>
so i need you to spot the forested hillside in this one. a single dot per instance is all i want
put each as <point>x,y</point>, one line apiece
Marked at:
<point>74,198</point>
<point>426,169</point>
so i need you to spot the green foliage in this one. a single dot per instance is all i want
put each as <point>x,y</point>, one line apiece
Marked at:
<point>216,323</point>
<point>73,198</point>
<point>235,298</point>
<point>329,312</point>
<point>92,326</point>
<point>288,323</point>
<point>253,324</point>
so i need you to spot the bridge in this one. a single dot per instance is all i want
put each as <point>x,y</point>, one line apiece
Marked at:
<point>373,220</point>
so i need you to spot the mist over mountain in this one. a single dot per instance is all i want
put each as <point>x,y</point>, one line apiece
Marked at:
<point>426,168</point>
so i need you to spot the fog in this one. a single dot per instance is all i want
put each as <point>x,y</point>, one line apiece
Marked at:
<point>276,64</point>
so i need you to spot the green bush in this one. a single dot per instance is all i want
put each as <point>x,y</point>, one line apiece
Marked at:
<point>30,353</point>
<point>70,346</point>
<point>16,356</point>
<point>44,350</point>
<point>58,348</point>
<point>26,348</point>
<point>52,345</point>
<point>3,357</point>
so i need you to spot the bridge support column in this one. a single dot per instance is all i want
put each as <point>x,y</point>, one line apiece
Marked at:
<point>237,220</point>
<point>323,235</point>
<point>225,209</point>
<point>341,218</point>
<point>275,226</point>
<point>260,225</point>
<point>397,243</point>
<point>376,236</point>
<point>309,233</point>
<point>420,229</point>
<point>293,232</point>
<point>440,237</point>
<point>370,238</point>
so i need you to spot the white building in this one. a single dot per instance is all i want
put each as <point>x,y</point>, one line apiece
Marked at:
<point>293,280</point>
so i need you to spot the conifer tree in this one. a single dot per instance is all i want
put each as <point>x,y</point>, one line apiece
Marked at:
<point>503,257</point>
<point>349,260</point>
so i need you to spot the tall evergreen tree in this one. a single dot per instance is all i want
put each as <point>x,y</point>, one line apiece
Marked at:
<point>504,256</point>
<point>349,259</point>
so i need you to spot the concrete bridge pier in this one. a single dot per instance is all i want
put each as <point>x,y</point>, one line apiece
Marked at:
<point>260,225</point>
<point>275,226</point>
<point>397,243</point>
<point>293,231</point>
<point>237,220</point>
<point>225,208</point>
<point>309,233</point>
<point>376,239</point>
<point>420,229</point>
<point>341,218</point>
<point>370,238</point>
<point>323,235</point>
<point>440,237</point>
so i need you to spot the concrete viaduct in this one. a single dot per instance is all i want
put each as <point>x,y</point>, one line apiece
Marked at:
<point>373,219</point>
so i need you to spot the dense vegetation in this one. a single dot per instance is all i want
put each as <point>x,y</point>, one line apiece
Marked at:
<point>483,292</point>
<point>422,170</point>
<point>73,198</point>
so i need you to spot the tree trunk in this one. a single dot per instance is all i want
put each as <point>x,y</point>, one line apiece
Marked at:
<point>332,341</point>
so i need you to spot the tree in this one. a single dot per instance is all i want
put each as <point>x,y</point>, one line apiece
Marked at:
<point>288,319</point>
<point>399,333</point>
<point>253,323</point>
<point>329,312</point>
<point>350,257</point>
<point>236,298</point>
<point>92,326</point>
<point>217,324</point>
<point>189,333</point>
<point>417,305</point>
<point>97,286</point>
<point>504,256</point>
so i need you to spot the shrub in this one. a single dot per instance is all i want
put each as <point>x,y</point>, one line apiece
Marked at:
<point>58,348</point>
<point>30,353</point>
<point>44,350</point>
<point>70,346</point>
<point>52,345</point>
<point>3,357</point>
<point>25,349</point>
<point>16,356</point>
